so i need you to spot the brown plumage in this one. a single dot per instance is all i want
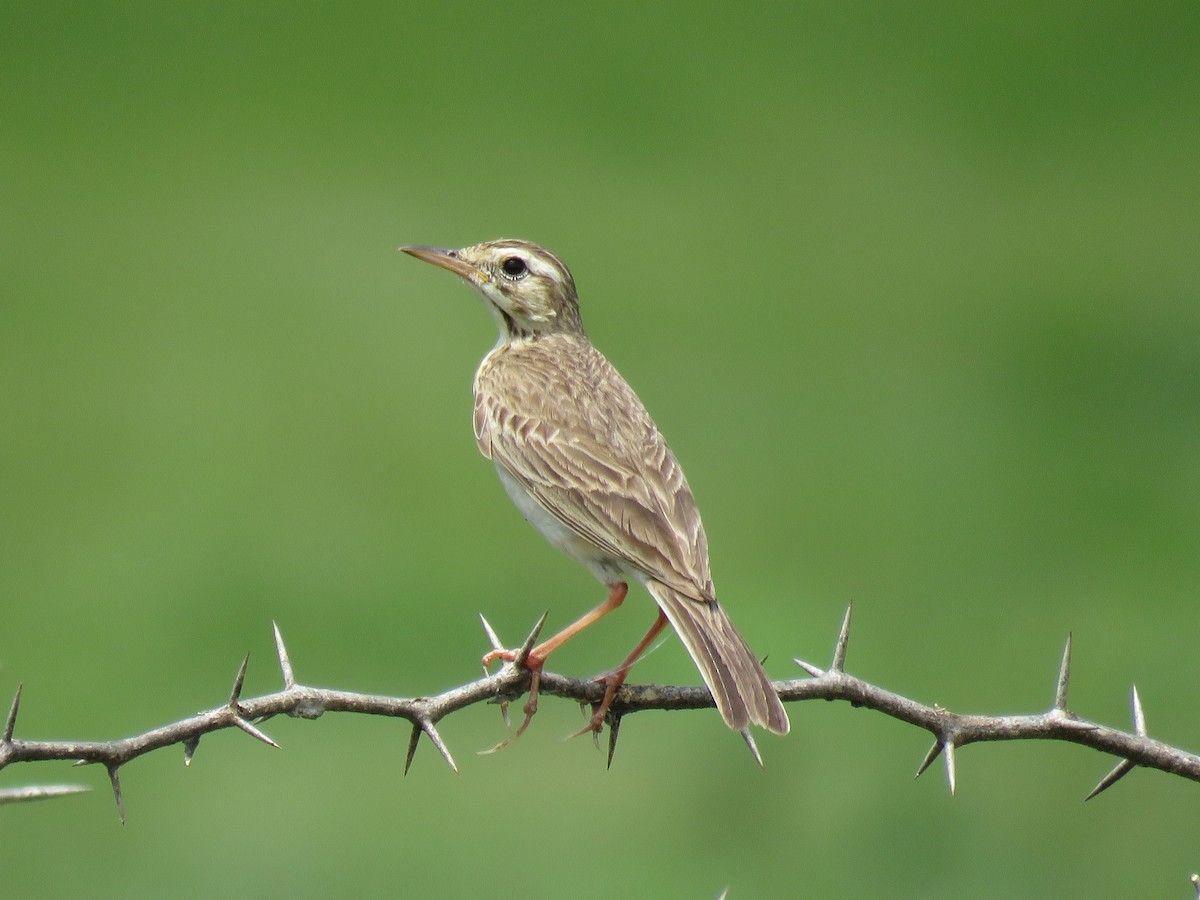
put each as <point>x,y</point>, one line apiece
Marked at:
<point>581,457</point>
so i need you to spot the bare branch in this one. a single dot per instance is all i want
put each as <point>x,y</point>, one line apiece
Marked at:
<point>951,731</point>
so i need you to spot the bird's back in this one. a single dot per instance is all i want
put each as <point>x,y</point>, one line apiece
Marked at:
<point>564,424</point>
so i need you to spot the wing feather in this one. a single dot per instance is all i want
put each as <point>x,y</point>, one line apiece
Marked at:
<point>562,422</point>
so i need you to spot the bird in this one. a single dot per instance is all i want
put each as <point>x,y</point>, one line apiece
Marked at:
<point>584,462</point>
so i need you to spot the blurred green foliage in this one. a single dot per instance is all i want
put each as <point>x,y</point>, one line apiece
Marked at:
<point>912,289</point>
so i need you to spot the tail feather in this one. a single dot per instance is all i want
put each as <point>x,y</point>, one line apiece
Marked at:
<point>736,678</point>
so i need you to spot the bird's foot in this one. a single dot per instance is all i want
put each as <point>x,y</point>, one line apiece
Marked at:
<point>529,657</point>
<point>529,709</point>
<point>611,681</point>
<point>534,664</point>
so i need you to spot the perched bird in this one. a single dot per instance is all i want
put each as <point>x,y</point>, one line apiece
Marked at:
<point>582,459</point>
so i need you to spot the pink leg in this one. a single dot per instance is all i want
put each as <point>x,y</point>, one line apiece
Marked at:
<point>537,656</point>
<point>614,679</point>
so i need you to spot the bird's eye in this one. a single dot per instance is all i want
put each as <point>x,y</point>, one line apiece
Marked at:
<point>514,267</point>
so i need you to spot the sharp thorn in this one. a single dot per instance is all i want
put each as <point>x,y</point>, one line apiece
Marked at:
<point>951,775</point>
<point>491,633</point>
<point>427,727</point>
<point>503,704</point>
<point>839,649</point>
<point>254,732</point>
<point>236,693</point>
<point>809,668</point>
<point>413,740</point>
<point>285,662</point>
<point>934,752</point>
<point>523,653</point>
<point>614,729</point>
<point>40,792</point>
<point>1123,768</point>
<point>1139,716</point>
<point>1064,677</point>
<point>115,777</point>
<point>11,722</point>
<point>749,739</point>
<point>189,749</point>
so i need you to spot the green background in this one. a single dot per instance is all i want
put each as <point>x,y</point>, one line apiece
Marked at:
<point>911,288</point>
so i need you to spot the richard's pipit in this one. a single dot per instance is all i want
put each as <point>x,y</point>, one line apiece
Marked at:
<point>582,459</point>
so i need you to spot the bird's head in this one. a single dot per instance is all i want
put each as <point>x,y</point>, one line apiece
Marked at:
<point>526,287</point>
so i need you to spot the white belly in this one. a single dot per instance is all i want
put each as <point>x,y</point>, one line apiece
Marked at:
<point>606,568</point>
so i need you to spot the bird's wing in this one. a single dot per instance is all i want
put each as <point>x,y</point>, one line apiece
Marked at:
<point>586,450</point>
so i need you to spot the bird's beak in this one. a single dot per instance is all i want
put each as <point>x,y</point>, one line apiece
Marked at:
<point>446,259</point>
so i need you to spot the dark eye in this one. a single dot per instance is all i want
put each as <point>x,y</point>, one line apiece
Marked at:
<point>514,267</point>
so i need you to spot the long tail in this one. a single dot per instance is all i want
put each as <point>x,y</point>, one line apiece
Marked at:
<point>732,672</point>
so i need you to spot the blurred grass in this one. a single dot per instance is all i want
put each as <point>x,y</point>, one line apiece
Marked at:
<point>911,290</point>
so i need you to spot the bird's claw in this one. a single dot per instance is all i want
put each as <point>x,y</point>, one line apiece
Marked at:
<point>531,705</point>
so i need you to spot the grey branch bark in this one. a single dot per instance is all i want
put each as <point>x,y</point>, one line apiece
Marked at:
<point>950,730</point>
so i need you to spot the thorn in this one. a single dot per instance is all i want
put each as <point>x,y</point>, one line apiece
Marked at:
<point>1064,677</point>
<point>491,633</point>
<point>236,693</point>
<point>494,640</point>
<point>839,650</point>
<point>523,653</point>
<point>285,662</point>
<point>950,767</point>
<point>503,704</point>
<point>429,729</point>
<point>254,732</point>
<point>614,727</point>
<point>115,777</point>
<point>1123,768</point>
<point>809,668</point>
<point>40,792</point>
<point>1195,880</point>
<point>1139,717</point>
<point>413,740</point>
<point>749,739</point>
<point>189,749</point>
<point>11,722</point>
<point>934,752</point>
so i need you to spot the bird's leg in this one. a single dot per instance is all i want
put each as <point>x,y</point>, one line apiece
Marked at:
<point>614,679</point>
<point>536,659</point>
<point>537,656</point>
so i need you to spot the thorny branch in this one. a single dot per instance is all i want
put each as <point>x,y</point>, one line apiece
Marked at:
<point>950,730</point>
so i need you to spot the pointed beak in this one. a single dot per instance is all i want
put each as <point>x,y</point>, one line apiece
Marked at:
<point>446,259</point>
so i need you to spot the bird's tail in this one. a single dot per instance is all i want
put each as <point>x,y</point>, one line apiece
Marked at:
<point>734,675</point>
